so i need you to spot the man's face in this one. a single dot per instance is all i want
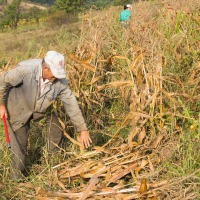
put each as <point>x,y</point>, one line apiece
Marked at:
<point>47,74</point>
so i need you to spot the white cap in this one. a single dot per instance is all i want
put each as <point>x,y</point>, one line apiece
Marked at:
<point>128,6</point>
<point>56,63</point>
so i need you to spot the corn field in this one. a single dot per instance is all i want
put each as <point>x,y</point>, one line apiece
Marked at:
<point>138,88</point>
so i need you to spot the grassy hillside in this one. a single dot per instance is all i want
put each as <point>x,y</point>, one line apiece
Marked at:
<point>139,91</point>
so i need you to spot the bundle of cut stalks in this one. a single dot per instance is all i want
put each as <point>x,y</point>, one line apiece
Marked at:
<point>110,173</point>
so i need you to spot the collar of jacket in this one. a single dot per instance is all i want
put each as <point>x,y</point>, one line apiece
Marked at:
<point>38,72</point>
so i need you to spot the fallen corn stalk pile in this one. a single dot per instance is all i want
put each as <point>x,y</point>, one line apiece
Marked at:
<point>115,174</point>
<point>104,172</point>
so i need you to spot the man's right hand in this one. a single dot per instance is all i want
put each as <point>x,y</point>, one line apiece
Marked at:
<point>3,111</point>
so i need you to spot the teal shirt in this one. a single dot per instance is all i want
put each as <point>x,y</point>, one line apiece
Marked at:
<point>125,15</point>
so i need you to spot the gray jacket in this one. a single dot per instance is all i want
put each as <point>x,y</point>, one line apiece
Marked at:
<point>19,91</point>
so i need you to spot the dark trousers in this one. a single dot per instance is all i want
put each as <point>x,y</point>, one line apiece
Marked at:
<point>19,141</point>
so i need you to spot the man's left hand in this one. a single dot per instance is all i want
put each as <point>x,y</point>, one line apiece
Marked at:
<point>85,139</point>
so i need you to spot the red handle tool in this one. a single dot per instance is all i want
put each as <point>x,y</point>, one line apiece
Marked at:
<point>6,131</point>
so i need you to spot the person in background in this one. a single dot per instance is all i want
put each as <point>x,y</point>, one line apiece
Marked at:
<point>26,92</point>
<point>125,15</point>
